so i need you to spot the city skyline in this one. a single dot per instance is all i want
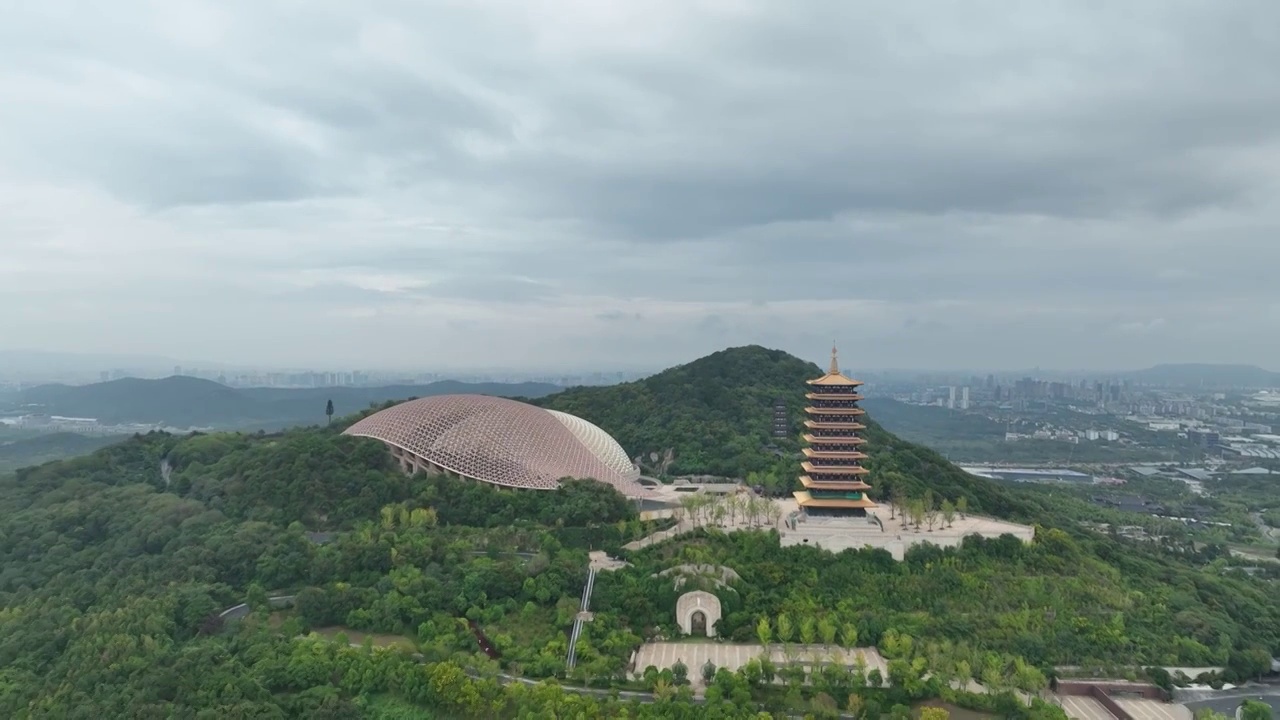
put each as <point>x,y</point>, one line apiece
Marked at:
<point>558,184</point>
<point>98,368</point>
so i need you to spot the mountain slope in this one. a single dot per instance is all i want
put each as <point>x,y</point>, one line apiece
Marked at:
<point>191,402</point>
<point>53,446</point>
<point>714,413</point>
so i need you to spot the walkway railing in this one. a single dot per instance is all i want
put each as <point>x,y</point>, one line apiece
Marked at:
<point>577,621</point>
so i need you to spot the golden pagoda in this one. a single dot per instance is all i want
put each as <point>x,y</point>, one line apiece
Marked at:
<point>833,473</point>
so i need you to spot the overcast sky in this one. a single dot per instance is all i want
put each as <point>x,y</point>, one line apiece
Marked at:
<point>578,183</point>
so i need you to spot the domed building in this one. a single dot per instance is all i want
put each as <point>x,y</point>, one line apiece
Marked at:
<point>501,442</point>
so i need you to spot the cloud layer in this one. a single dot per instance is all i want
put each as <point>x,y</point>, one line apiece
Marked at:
<point>568,183</point>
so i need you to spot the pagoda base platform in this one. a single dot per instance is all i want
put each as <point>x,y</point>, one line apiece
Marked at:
<point>835,512</point>
<point>832,507</point>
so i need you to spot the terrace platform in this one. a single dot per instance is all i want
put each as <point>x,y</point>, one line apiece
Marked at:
<point>695,654</point>
<point>836,534</point>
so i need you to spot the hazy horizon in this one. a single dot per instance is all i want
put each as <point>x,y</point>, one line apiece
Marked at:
<point>553,183</point>
<point>87,364</point>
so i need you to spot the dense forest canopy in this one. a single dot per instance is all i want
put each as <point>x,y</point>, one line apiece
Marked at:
<point>114,567</point>
<point>715,412</point>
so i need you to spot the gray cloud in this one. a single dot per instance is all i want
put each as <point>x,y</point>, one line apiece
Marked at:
<point>599,185</point>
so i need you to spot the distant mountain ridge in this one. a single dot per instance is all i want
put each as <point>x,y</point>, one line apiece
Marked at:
<point>181,401</point>
<point>1206,375</point>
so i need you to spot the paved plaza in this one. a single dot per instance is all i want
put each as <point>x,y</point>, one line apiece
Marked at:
<point>733,656</point>
<point>836,534</point>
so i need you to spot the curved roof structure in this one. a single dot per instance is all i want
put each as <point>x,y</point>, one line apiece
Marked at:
<point>601,444</point>
<point>503,442</point>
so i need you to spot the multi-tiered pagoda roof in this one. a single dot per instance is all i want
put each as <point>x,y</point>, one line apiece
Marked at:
<point>833,476</point>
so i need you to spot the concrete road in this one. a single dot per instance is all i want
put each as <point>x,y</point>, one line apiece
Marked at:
<point>1227,704</point>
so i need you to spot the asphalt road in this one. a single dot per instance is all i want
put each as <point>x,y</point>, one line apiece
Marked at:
<point>1227,705</point>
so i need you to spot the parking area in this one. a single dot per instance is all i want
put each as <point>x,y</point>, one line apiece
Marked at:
<point>1229,701</point>
<point>733,656</point>
<point>1153,709</point>
<point>1081,707</point>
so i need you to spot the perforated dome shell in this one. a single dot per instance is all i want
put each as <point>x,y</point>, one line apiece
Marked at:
<point>600,443</point>
<point>502,441</point>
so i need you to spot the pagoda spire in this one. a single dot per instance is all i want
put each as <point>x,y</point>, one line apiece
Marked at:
<point>835,364</point>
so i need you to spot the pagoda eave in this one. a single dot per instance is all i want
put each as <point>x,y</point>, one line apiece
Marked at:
<point>851,427</point>
<point>820,440</point>
<point>820,454</point>
<point>805,500</point>
<point>852,397</point>
<point>832,469</point>
<point>850,485</point>
<point>834,379</point>
<point>834,411</point>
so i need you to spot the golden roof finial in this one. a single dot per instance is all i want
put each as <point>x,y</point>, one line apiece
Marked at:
<point>835,365</point>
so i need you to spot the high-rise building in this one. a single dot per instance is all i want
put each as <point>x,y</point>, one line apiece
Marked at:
<point>951,397</point>
<point>832,466</point>
<point>964,398</point>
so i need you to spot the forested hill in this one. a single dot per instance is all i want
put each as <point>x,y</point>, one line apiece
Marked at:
<point>114,568</point>
<point>54,446</point>
<point>715,415</point>
<point>191,402</point>
<point>714,412</point>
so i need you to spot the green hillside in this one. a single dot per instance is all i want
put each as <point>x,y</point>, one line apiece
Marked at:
<point>714,413</point>
<point>26,451</point>
<point>114,567</point>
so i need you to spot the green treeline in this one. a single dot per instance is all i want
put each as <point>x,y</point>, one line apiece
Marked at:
<point>1061,600</point>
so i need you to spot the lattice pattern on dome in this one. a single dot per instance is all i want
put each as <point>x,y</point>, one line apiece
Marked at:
<point>493,440</point>
<point>600,443</point>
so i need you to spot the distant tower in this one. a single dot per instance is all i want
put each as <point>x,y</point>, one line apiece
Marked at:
<point>964,398</point>
<point>833,473</point>
<point>781,419</point>
<point>951,397</point>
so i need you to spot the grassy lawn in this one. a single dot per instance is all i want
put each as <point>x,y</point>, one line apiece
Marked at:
<point>355,637</point>
<point>389,707</point>
<point>1256,552</point>
<point>525,631</point>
